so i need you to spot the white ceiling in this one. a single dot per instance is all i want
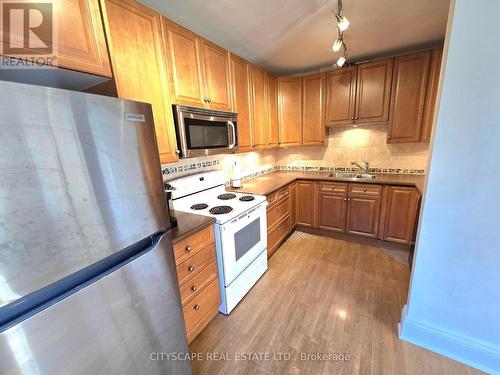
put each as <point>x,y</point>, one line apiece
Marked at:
<point>292,36</point>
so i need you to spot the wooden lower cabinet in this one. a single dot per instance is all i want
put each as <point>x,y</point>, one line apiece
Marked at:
<point>306,203</point>
<point>196,262</point>
<point>399,214</point>
<point>293,205</point>
<point>332,209</point>
<point>278,218</point>
<point>363,216</point>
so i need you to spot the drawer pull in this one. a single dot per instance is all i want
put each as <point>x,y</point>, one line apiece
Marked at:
<point>190,268</point>
<point>188,249</point>
<point>194,288</point>
<point>364,190</point>
<point>196,307</point>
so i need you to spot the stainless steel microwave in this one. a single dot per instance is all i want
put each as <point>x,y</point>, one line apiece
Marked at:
<point>202,132</point>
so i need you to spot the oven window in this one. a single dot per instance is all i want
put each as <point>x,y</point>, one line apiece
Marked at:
<point>202,134</point>
<point>246,238</point>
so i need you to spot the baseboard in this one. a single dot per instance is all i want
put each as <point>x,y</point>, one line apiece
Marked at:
<point>449,344</point>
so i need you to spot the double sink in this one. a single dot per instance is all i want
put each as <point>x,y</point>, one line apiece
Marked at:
<point>353,176</point>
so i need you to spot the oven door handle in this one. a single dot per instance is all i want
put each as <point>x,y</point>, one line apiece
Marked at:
<point>233,134</point>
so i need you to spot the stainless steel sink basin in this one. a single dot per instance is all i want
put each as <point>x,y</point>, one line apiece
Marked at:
<point>352,176</point>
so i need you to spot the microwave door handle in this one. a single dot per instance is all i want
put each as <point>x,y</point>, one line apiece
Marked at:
<point>233,134</point>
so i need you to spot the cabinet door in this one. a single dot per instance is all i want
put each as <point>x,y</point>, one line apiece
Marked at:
<point>260,115</point>
<point>293,205</point>
<point>363,216</point>
<point>134,30</point>
<point>81,44</point>
<point>399,214</point>
<point>290,110</point>
<point>306,203</point>
<point>431,94</point>
<point>340,96</point>
<point>272,93</point>
<point>183,49</point>
<point>241,101</point>
<point>313,104</point>
<point>408,97</point>
<point>216,76</point>
<point>373,92</point>
<point>332,211</point>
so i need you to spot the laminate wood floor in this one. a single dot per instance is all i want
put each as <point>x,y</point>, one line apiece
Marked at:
<point>320,295</point>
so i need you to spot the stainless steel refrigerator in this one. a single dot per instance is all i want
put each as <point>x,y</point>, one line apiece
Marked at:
<point>87,275</point>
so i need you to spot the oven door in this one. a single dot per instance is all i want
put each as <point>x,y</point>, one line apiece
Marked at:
<point>200,135</point>
<point>242,240</point>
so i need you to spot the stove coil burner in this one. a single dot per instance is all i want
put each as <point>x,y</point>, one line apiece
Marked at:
<point>199,206</point>
<point>218,210</point>
<point>247,198</point>
<point>227,196</point>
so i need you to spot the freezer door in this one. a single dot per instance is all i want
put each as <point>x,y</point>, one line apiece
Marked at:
<point>80,179</point>
<point>120,324</point>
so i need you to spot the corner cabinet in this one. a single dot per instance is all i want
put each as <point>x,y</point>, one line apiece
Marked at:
<point>272,96</point>
<point>313,112</point>
<point>134,30</point>
<point>290,111</point>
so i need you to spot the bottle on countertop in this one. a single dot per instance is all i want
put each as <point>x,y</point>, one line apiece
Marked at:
<point>236,176</point>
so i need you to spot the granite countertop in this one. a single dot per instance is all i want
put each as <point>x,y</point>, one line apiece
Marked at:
<point>266,184</point>
<point>187,224</point>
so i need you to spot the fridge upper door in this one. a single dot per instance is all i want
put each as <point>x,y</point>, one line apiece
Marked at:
<point>120,324</point>
<point>80,179</point>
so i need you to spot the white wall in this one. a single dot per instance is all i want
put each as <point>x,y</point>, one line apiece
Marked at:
<point>454,302</point>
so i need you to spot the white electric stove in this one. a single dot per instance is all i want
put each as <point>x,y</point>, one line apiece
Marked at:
<point>240,230</point>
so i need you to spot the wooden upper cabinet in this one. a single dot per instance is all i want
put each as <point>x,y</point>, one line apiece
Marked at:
<point>260,116</point>
<point>241,100</point>
<point>431,94</point>
<point>408,97</point>
<point>399,214</point>
<point>340,96</point>
<point>290,110</point>
<point>306,203</point>
<point>184,62</point>
<point>216,76</point>
<point>313,112</point>
<point>134,30</point>
<point>373,90</point>
<point>81,44</point>
<point>272,93</point>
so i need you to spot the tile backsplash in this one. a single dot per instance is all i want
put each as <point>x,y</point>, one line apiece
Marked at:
<point>252,164</point>
<point>362,143</point>
<point>343,145</point>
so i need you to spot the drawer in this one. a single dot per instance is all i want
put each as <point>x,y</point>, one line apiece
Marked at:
<point>196,263</point>
<point>277,212</point>
<point>365,190</point>
<point>276,235</point>
<point>277,195</point>
<point>201,305</point>
<point>198,282</point>
<point>189,246</point>
<point>333,187</point>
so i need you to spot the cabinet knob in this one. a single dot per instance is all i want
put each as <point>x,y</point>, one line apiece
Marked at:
<point>190,268</point>
<point>345,199</point>
<point>205,99</point>
<point>364,190</point>
<point>194,288</point>
<point>188,249</point>
<point>352,118</point>
<point>209,100</point>
<point>196,307</point>
<point>388,137</point>
<point>356,118</point>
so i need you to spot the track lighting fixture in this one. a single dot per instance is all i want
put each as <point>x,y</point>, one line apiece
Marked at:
<point>342,25</point>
